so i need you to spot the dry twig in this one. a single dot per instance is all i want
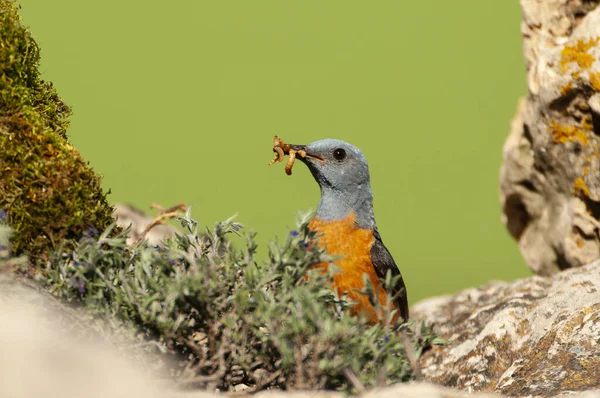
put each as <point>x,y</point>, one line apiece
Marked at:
<point>171,212</point>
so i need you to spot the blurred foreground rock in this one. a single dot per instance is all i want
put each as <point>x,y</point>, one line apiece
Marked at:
<point>407,390</point>
<point>533,337</point>
<point>48,349</point>
<point>550,179</point>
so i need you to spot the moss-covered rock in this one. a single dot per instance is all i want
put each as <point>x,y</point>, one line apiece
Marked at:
<point>47,191</point>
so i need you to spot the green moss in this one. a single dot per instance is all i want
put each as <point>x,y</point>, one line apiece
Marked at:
<point>47,190</point>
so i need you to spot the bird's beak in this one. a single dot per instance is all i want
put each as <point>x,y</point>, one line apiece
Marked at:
<point>304,149</point>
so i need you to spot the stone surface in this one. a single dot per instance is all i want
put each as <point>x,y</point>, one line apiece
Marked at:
<point>550,179</point>
<point>48,349</point>
<point>407,390</point>
<point>537,336</point>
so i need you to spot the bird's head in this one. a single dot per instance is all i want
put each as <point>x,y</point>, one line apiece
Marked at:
<point>337,166</point>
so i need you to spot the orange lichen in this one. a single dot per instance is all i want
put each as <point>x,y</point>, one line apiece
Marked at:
<point>578,53</point>
<point>566,88</point>
<point>580,187</point>
<point>595,80</point>
<point>563,134</point>
<point>586,170</point>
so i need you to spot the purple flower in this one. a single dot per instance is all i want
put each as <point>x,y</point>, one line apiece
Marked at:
<point>80,286</point>
<point>92,232</point>
<point>294,233</point>
<point>3,215</point>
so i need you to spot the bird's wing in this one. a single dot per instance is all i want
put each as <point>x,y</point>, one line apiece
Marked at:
<point>383,261</point>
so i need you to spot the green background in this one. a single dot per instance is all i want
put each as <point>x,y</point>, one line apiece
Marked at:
<point>179,101</point>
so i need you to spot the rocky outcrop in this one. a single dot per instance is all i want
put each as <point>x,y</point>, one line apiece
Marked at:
<point>550,178</point>
<point>537,336</point>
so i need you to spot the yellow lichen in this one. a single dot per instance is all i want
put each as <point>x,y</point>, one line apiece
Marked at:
<point>578,53</point>
<point>580,187</point>
<point>563,134</point>
<point>586,123</point>
<point>566,88</point>
<point>595,80</point>
<point>582,106</point>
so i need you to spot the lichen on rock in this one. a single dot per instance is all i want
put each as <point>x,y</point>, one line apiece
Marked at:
<point>534,337</point>
<point>550,177</point>
<point>48,193</point>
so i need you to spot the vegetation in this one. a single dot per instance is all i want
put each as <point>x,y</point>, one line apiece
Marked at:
<point>233,319</point>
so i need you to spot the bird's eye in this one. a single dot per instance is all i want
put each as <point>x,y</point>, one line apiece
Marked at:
<point>339,154</point>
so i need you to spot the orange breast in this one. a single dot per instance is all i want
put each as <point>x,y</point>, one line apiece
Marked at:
<point>343,238</point>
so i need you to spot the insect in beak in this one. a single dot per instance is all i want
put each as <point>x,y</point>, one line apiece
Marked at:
<point>281,149</point>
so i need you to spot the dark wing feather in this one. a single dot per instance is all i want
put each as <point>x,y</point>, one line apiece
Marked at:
<point>383,261</point>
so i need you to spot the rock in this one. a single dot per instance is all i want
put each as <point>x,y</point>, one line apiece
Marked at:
<point>51,349</point>
<point>550,179</point>
<point>128,215</point>
<point>417,390</point>
<point>406,390</point>
<point>537,336</point>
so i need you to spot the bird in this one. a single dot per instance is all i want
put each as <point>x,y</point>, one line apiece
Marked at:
<point>345,225</point>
